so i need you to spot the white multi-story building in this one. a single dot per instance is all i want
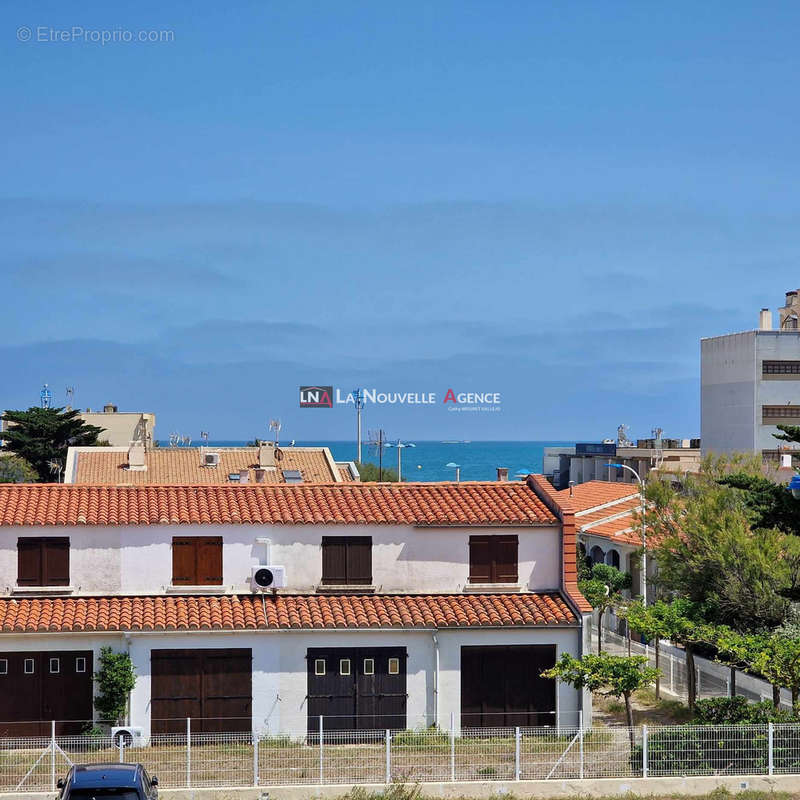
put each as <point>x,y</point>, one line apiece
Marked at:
<point>750,383</point>
<point>264,607</point>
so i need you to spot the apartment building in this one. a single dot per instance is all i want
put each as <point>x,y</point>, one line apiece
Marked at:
<point>262,607</point>
<point>750,383</point>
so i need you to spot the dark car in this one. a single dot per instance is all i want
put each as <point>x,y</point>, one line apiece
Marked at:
<point>118,781</point>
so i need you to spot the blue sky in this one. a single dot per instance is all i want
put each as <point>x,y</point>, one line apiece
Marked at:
<point>550,200</point>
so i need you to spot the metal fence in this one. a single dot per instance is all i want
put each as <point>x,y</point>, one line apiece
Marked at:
<point>712,679</point>
<point>201,760</point>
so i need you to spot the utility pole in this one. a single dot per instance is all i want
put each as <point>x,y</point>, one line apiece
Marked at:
<point>358,397</point>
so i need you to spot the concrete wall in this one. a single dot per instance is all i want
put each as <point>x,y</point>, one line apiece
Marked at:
<point>138,559</point>
<point>727,393</point>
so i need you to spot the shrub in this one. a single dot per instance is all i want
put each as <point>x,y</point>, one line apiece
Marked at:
<point>738,711</point>
<point>115,679</point>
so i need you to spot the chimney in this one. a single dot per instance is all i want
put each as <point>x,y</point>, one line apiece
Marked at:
<point>572,488</point>
<point>109,408</point>
<point>244,476</point>
<point>502,473</point>
<point>765,320</point>
<point>260,474</point>
<point>136,457</point>
<point>266,455</point>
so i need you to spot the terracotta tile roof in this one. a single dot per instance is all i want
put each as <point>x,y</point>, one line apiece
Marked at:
<point>173,466</point>
<point>70,614</point>
<point>595,493</point>
<point>588,518</point>
<point>353,503</point>
<point>344,473</point>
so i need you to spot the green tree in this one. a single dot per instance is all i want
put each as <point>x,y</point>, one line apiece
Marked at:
<point>770,505</point>
<point>115,680</point>
<point>14,469</point>
<point>611,676</point>
<point>648,622</point>
<point>42,436</point>
<point>708,552</point>
<point>603,590</point>
<point>371,472</point>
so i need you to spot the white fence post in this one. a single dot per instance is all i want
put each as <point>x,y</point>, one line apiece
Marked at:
<point>321,754</point>
<point>255,758</point>
<point>188,752</point>
<point>671,674</point>
<point>452,746</point>
<point>388,756</point>
<point>52,755</point>
<point>516,753</point>
<point>121,749</point>
<point>770,731</point>
<point>580,733</point>
<point>644,751</point>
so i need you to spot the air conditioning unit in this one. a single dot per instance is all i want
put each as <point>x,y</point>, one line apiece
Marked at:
<point>211,460</point>
<point>267,577</point>
<point>127,735</point>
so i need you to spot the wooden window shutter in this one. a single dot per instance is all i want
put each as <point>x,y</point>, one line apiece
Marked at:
<point>480,559</point>
<point>334,560</point>
<point>55,561</point>
<point>184,562</point>
<point>506,558</point>
<point>29,562</point>
<point>209,561</point>
<point>359,560</point>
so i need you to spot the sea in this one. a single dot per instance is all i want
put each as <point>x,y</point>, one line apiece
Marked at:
<point>428,460</point>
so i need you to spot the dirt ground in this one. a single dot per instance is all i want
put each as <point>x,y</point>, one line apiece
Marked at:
<point>647,710</point>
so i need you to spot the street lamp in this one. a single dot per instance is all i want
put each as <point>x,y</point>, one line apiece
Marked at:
<point>644,528</point>
<point>457,468</point>
<point>399,445</point>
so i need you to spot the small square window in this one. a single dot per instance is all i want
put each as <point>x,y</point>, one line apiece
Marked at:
<point>3,666</point>
<point>369,666</point>
<point>319,666</point>
<point>80,664</point>
<point>55,666</point>
<point>344,666</point>
<point>27,667</point>
<point>394,666</point>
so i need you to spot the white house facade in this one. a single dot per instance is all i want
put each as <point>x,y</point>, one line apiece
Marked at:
<point>386,606</point>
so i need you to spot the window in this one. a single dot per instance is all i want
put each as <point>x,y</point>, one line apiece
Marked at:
<point>369,666</point>
<point>493,559</point>
<point>80,664</point>
<point>3,666</point>
<point>612,558</point>
<point>779,413</point>
<point>319,666</point>
<point>780,368</point>
<point>347,560</point>
<point>394,666</point>
<point>27,667</point>
<point>344,666</point>
<point>196,560</point>
<point>43,561</point>
<point>55,666</point>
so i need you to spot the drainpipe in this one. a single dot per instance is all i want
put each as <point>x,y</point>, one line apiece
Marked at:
<point>436,681</point>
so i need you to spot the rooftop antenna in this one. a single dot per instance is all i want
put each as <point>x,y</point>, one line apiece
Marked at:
<point>275,425</point>
<point>55,467</point>
<point>70,392</point>
<point>46,397</point>
<point>358,400</point>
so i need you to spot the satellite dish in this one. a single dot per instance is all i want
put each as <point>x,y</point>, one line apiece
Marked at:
<point>278,454</point>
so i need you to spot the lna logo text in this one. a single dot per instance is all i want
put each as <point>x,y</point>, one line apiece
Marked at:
<point>316,397</point>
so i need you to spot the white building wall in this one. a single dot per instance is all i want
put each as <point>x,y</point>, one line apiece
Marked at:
<point>774,346</point>
<point>728,393</point>
<point>138,559</point>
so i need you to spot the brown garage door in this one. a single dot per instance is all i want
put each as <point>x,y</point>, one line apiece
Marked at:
<point>213,687</point>
<point>502,686</point>
<point>36,688</point>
